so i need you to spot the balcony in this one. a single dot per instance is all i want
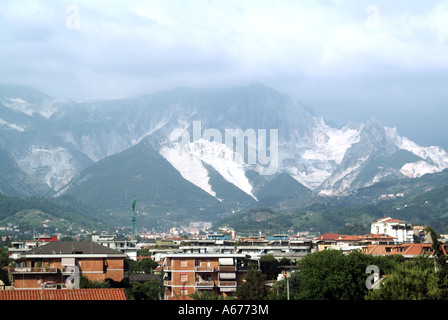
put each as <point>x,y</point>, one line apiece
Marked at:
<point>227,268</point>
<point>204,284</point>
<point>204,269</point>
<point>227,284</point>
<point>26,270</point>
<point>167,283</point>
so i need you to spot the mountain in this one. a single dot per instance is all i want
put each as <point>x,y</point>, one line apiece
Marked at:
<point>45,215</point>
<point>194,153</point>
<point>140,171</point>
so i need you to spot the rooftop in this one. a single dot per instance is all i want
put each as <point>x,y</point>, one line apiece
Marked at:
<point>73,247</point>
<point>63,294</point>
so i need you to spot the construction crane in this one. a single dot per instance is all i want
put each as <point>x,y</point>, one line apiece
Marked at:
<point>133,217</point>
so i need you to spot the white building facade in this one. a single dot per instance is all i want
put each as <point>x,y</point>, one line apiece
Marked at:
<point>398,229</point>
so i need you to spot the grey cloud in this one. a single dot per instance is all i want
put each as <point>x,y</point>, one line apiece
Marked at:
<point>320,52</point>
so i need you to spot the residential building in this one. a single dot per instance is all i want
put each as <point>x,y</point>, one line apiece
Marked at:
<point>18,247</point>
<point>128,247</point>
<point>286,271</point>
<point>407,250</point>
<point>279,248</point>
<point>399,229</point>
<point>53,264</point>
<point>185,274</point>
<point>348,243</point>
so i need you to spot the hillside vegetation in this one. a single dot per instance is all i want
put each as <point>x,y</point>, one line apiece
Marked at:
<point>43,215</point>
<point>427,208</point>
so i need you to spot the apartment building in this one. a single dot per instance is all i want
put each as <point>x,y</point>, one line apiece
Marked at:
<point>52,264</point>
<point>185,274</point>
<point>399,229</point>
<point>18,247</point>
<point>128,247</point>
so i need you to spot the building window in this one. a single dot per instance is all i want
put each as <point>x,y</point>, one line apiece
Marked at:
<point>183,277</point>
<point>183,263</point>
<point>183,292</point>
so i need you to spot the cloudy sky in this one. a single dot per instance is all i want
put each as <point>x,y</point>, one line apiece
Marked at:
<point>347,60</point>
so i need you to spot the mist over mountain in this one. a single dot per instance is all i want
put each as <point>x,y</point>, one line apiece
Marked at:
<point>103,151</point>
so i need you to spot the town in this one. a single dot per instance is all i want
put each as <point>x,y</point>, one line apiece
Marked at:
<point>186,263</point>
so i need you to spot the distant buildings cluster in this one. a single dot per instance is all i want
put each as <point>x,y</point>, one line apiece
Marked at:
<point>214,262</point>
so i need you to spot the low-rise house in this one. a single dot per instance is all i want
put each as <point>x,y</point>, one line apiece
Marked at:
<point>53,264</point>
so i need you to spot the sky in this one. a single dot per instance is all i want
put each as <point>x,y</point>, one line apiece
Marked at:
<point>346,60</point>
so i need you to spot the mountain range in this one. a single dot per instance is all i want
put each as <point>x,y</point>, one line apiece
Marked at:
<point>102,153</point>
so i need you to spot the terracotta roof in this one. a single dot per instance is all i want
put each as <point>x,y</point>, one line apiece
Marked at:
<point>328,236</point>
<point>404,249</point>
<point>63,294</point>
<point>349,238</point>
<point>388,219</point>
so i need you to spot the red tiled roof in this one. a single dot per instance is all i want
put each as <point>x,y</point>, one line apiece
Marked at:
<point>389,219</point>
<point>404,249</point>
<point>328,236</point>
<point>63,294</point>
<point>349,238</point>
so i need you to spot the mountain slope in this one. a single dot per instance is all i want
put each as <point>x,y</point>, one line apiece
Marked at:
<point>90,150</point>
<point>45,216</point>
<point>140,171</point>
<point>15,182</point>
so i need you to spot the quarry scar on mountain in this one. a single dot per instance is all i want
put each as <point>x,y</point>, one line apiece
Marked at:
<point>95,150</point>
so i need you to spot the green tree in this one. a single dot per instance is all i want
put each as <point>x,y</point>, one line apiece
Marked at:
<point>4,261</point>
<point>413,280</point>
<point>85,283</point>
<point>254,288</point>
<point>269,266</point>
<point>281,288</point>
<point>4,257</point>
<point>145,265</point>
<point>332,275</point>
<point>206,295</point>
<point>440,262</point>
<point>149,290</point>
<point>148,265</point>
